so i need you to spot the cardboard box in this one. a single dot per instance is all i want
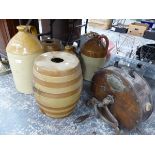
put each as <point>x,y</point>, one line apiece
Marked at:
<point>101,23</point>
<point>137,29</point>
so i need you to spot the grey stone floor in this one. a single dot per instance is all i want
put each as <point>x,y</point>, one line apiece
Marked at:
<point>19,113</point>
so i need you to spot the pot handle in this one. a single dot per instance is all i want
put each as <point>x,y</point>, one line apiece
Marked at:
<point>106,40</point>
<point>113,122</point>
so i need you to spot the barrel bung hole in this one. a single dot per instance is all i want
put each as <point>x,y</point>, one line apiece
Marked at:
<point>49,41</point>
<point>57,60</point>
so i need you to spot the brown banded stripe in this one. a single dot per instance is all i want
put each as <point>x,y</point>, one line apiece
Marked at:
<point>57,85</point>
<point>57,73</point>
<point>62,108</point>
<point>63,95</point>
<point>57,114</point>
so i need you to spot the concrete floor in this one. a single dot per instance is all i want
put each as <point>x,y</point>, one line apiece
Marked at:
<point>19,113</point>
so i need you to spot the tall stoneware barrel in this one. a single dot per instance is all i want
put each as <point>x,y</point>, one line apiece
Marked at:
<point>22,49</point>
<point>57,83</point>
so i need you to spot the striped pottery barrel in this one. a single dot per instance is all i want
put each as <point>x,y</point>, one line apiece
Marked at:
<point>57,80</point>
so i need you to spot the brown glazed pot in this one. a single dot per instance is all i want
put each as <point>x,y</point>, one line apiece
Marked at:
<point>52,45</point>
<point>133,101</point>
<point>93,55</point>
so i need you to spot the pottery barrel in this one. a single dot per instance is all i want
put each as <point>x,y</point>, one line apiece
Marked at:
<point>22,49</point>
<point>57,80</point>
<point>133,100</point>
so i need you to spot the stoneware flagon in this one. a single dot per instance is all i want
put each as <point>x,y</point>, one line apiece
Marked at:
<point>93,55</point>
<point>133,102</point>
<point>58,82</point>
<point>22,49</point>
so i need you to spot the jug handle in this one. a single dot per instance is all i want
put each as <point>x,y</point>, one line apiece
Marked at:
<point>33,30</point>
<point>106,40</point>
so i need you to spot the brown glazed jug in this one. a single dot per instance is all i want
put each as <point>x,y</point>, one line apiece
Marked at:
<point>93,55</point>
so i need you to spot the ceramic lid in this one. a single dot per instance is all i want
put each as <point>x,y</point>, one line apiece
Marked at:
<point>24,43</point>
<point>56,62</point>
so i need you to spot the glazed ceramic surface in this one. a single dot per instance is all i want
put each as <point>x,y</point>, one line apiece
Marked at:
<point>22,49</point>
<point>21,67</point>
<point>93,55</point>
<point>57,83</point>
<point>31,29</point>
<point>133,102</point>
<point>91,65</point>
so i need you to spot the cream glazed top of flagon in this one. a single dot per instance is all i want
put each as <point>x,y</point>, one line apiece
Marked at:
<point>56,61</point>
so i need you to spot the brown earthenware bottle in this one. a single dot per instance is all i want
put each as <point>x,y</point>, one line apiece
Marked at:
<point>93,55</point>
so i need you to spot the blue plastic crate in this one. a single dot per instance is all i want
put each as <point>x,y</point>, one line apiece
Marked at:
<point>148,22</point>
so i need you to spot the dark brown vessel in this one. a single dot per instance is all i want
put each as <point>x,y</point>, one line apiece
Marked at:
<point>133,101</point>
